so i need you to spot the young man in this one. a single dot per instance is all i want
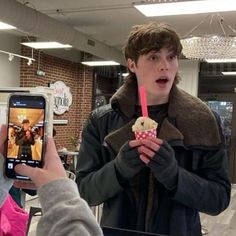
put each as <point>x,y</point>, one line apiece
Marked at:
<point>156,185</point>
<point>25,138</point>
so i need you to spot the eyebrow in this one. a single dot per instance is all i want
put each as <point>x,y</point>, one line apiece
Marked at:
<point>158,51</point>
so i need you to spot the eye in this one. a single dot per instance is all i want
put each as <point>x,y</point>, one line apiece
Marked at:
<point>172,57</point>
<point>153,57</point>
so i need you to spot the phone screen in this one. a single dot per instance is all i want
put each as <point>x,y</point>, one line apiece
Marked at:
<point>26,132</point>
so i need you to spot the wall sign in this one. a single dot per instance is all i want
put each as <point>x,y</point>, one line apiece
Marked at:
<point>62,97</point>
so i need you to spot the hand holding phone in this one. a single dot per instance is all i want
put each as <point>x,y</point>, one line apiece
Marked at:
<point>52,170</point>
<point>26,131</point>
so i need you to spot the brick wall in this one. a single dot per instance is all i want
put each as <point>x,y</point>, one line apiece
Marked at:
<point>75,75</point>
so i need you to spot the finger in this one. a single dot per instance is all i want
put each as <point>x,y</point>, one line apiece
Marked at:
<point>51,155</point>
<point>146,151</point>
<point>52,159</point>
<point>149,143</point>
<point>134,143</point>
<point>25,170</point>
<point>155,140</point>
<point>145,159</point>
<point>3,137</point>
<point>51,147</point>
<point>3,131</point>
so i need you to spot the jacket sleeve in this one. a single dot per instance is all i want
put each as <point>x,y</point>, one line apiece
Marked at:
<point>208,188</point>
<point>64,211</point>
<point>95,166</point>
<point>19,138</point>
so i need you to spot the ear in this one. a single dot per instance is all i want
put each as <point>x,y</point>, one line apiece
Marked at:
<point>131,65</point>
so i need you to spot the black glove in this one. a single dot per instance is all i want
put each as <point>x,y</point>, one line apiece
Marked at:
<point>164,166</point>
<point>127,162</point>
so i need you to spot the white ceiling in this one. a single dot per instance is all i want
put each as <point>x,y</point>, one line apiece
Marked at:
<point>109,21</point>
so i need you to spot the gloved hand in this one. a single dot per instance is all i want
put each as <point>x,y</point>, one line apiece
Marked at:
<point>127,162</point>
<point>164,166</point>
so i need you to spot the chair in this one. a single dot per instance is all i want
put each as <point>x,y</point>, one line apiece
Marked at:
<point>33,211</point>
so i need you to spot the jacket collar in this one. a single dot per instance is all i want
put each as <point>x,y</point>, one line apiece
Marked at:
<point>194,119</point>
<point>125,98</point>
<point>189,119</point>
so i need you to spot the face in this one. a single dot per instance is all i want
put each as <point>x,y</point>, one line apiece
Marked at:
<point>26,126</point>
<point>156,71</point>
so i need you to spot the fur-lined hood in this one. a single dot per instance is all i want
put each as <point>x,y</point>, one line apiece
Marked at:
<point>189,119</point>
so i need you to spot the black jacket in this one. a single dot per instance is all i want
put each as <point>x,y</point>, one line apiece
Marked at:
<point>24,151</point>
<point>192,131</point>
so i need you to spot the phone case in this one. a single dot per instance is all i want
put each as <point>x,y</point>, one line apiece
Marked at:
<point>26,141</point>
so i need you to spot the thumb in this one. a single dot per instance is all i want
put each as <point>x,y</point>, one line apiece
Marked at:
<point>25,170</point>
<point>3,136</point>
<point>51,156</point>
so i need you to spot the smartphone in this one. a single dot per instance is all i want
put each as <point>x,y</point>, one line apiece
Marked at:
<point>26,129</point>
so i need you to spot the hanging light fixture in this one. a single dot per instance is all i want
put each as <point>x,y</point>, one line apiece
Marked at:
<point>29,62</point>
<point>210,46</point>
<point>11,56</point>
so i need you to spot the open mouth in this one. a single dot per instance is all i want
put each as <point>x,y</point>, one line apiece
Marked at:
<point>162,81</point>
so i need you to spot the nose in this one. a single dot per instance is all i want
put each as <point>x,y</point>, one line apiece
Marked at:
<point>163,64</point>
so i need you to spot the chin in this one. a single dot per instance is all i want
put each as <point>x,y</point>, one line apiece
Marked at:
<point>164,90</point>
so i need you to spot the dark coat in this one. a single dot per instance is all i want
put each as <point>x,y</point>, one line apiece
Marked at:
<point>192,131</point>
<point>24,151</point>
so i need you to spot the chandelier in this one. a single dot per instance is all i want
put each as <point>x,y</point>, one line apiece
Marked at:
<point>210,46</point>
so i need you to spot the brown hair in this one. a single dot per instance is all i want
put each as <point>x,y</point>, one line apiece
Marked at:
<point>152,36</point>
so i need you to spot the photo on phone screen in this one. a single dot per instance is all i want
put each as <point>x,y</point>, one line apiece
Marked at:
<point>26,132</point>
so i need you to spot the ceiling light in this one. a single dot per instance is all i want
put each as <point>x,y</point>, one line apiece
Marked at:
<point>125,74</point>
<point>100,63</point>
<point>228,72</point>
<point>210,46</point>
<point>46,45</point>
<point>228,60</point>
<point>4,26</point>
<point>184,7</point>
